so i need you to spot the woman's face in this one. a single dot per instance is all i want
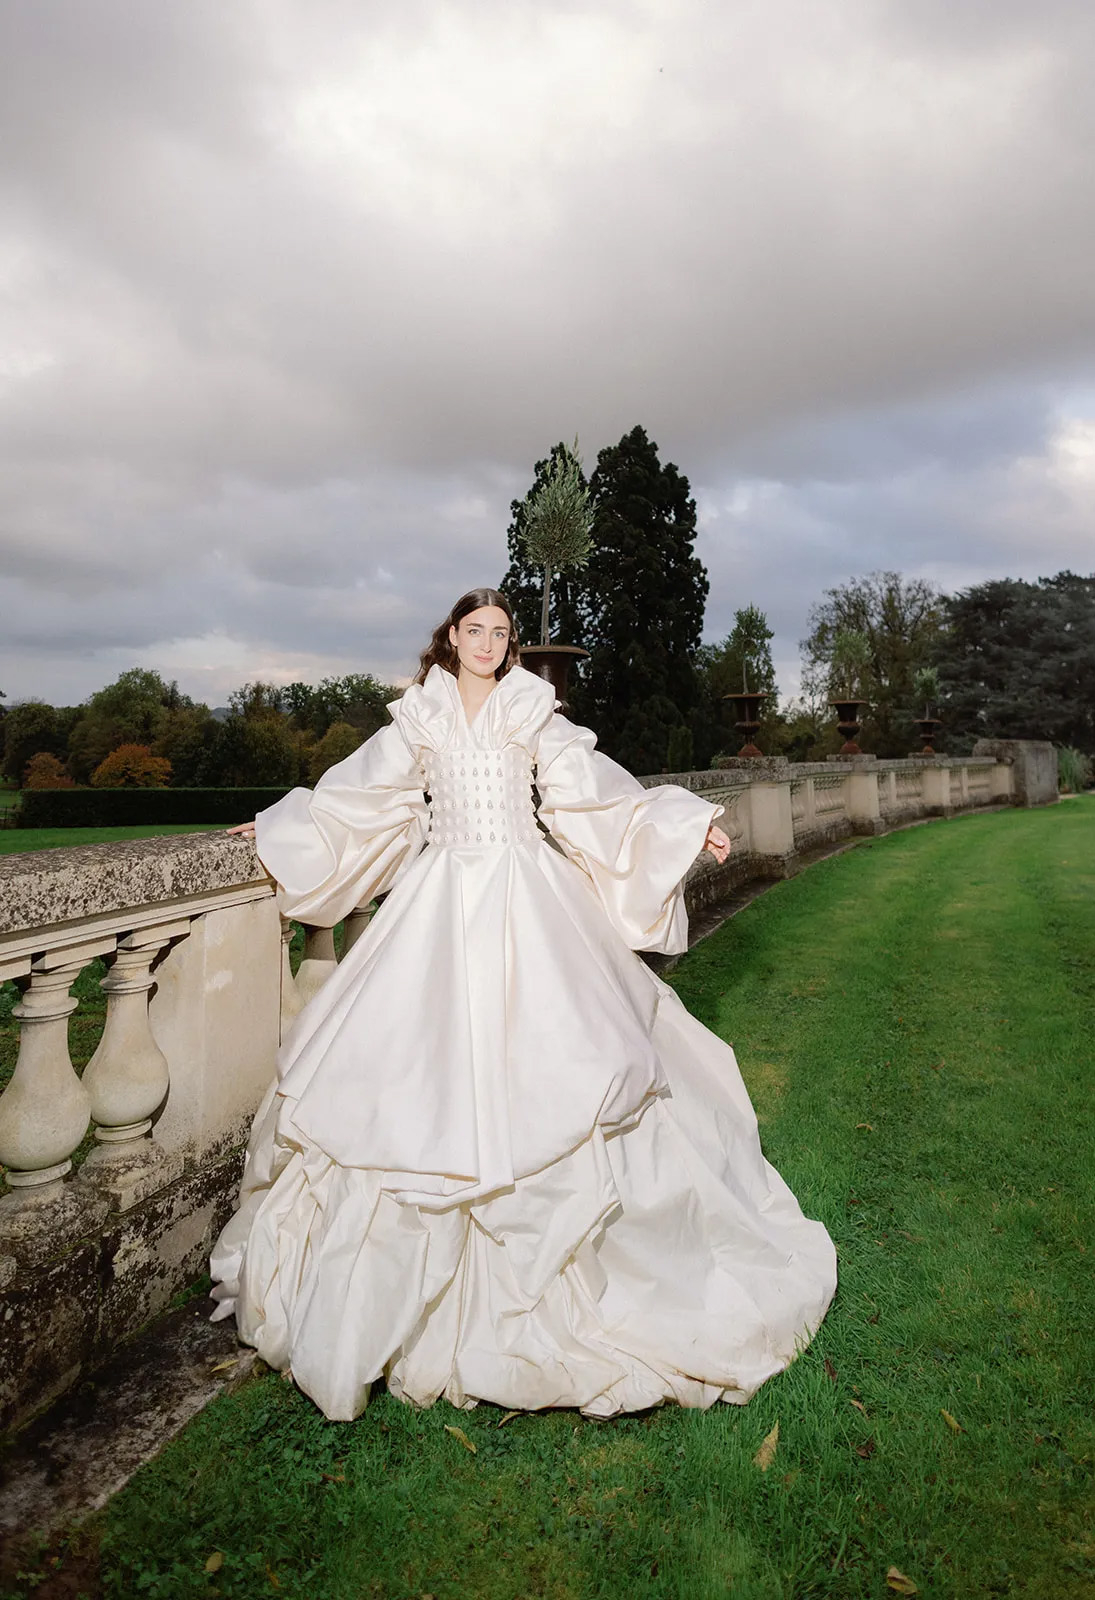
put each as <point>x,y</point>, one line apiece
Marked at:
<point>481,640</point>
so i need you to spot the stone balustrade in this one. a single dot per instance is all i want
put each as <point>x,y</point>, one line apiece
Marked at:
<point>119,1178</point>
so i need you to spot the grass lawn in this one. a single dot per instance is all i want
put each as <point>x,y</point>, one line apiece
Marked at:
<point>13,841</point>
<point>914,1021</point>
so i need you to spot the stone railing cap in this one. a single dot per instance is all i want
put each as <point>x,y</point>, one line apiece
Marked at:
<point>46,887</point>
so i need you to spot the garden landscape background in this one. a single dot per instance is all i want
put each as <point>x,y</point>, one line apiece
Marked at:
<point>293,298</point>
<point>299,305</point>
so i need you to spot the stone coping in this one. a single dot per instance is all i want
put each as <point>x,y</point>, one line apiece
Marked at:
<point>772,769</point>
<point>47,887</point>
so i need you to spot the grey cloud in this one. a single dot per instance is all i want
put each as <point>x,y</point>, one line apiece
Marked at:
<point>292,297</point>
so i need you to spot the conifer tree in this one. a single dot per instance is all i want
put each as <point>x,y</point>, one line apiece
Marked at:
<point>1017,660</point>
<point>646,591</point>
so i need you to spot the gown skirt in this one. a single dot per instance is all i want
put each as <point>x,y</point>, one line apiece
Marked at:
<point>500,1161</point>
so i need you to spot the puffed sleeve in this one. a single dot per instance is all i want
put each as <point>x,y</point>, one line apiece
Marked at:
<point>335,847</point>
<point>635,844</point>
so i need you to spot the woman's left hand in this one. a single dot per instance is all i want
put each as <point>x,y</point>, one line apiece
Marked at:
<point>718,843</point>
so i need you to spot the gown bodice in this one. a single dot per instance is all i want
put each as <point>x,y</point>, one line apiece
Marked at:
<point>480,798</point>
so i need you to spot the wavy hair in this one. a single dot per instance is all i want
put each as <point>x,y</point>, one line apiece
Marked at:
<point>441,653</point>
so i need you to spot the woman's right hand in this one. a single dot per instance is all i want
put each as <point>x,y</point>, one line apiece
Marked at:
<point>246,828</point>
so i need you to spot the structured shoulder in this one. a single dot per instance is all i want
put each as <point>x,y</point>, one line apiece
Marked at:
<point>425,713</point>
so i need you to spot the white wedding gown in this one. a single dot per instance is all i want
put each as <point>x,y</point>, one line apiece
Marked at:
<point>501,1161</point>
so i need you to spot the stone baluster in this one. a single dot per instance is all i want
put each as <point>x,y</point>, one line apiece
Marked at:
<point>127,1077</point>
<point>356,923</point>
<point>45,1110</point>
<point>319,961</point>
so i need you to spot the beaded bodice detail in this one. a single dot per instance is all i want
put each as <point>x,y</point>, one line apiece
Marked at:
<point>480,798</point>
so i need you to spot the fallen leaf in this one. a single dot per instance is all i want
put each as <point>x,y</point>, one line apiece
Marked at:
<point>898,1582</point>
<point>224,1366</point>
<point>937,1065</point>
<point>767,1452</point>
<point>859,1406</point>
<point>830,1370</point>
<point>955,1427</point>
<point>509,1416</point>
<point>275,1581</point>
<point>866,1450</point>
<point>215,1562</point>
<point>334,1477</point>
<point>869,1127</point>
<point>458,1433</point>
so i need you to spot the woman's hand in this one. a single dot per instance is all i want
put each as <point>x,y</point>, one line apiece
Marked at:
<point>246,828</point>
<point>718,844</point>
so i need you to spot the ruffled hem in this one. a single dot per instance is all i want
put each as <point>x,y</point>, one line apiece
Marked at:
<point>664,1262</point>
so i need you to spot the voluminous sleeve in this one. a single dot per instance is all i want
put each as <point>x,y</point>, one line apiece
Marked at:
<point>635,844</point>
<point>335,847</point>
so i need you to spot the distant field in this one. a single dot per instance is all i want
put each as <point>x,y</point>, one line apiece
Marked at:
<point>9,799</point>
<point>14,841</point>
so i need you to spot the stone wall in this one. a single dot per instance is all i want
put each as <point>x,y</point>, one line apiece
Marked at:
<point>1033,764</point>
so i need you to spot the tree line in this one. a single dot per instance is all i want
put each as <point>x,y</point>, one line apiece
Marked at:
<point>1008,658</point>
<point>143,731</point>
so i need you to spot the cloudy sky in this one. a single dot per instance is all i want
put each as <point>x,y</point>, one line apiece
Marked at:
<point>293,293</point>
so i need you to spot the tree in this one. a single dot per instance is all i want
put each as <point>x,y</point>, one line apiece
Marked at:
<point>1017,660</point>
<point>257,700</point>
<point>29,728</point>
<point>254,751</point>
<point>558,516</point>
<point>132,766</point>
<point>340,741</point>
<point>679,751</point>
<point>358,698</point>
<point>746,651</point>
<point>900,621</point>
<point>131,710</point>
<point>44,771</point>
<point>645,592</point>
<point>186,739</point>
<point>523,582</point>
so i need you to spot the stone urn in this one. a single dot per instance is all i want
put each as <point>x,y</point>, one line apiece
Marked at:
<point>849,722</point>
<point>929,732</point>
<point>746,703</point>
<point>553,662</point>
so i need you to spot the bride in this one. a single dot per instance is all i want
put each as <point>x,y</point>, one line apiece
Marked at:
<point>500,1161</point>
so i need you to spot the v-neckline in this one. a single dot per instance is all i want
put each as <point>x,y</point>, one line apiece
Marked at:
<point>469,722</point>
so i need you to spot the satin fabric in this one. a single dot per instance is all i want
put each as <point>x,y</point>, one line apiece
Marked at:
<point>500,1161</point>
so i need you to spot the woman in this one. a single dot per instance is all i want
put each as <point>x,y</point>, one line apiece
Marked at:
<point>500,1160</point>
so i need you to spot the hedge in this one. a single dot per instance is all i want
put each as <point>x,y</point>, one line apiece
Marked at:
<point>134,808</point>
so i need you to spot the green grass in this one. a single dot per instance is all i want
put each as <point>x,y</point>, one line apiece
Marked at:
<point>14,841</point>
<point>9,799</point>
<point>914,1023</point>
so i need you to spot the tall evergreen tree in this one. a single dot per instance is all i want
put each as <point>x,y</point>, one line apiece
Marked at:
<point>646,592</point>
<point>1017,660</point>
<point>523,583</point>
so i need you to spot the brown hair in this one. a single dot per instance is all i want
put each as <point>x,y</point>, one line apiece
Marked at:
<point>440,653</point>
